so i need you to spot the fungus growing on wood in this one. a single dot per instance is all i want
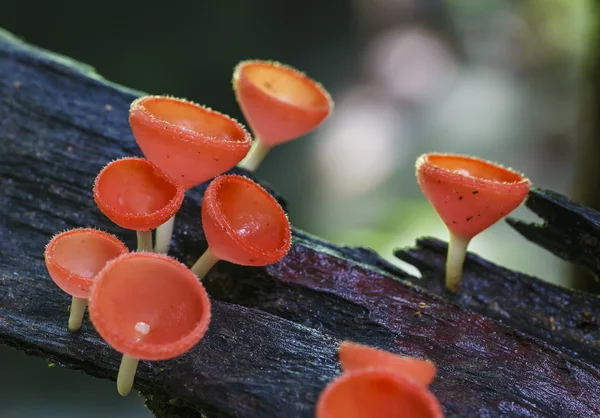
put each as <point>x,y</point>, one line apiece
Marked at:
<point>243,224</point>
<point>189,142</point>
<point>279,103</point>
<point>73,258</point>
<point>135,194</point>
<point>469,194</point>
<point>376,393</point>
<point>148,306</point>
<point>355,356</point>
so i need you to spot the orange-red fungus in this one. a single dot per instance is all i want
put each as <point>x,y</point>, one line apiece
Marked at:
<point>279,102</point>
<point>357,357</point>
<point>153,289</point>
<point>148,306</point>
<point>373,393</point>
<point>191,143</point>
<point>74,257</point>
<point>469,194</point>
<point>243,223</point>
<point>135,194</point>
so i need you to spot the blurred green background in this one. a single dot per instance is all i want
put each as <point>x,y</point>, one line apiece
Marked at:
<point>510,81</point>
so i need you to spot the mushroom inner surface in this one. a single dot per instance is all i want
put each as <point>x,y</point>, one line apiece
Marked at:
<point>134,186</point>
<point>377,395</point>
<point>84,254</point>
<point>148,300</point>
<point>190,116</point>
<point>284,85</point>
<point>253,214</point>
<point>475,168</point>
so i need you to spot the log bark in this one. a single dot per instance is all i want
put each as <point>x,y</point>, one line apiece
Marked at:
<point>271,347</point>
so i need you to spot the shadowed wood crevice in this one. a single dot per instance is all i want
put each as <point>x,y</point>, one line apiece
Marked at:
<point>567,319</point>
<point>271,347</point>
<point>570,230</point>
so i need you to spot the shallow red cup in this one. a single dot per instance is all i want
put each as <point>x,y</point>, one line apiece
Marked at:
<point>279,102</point>
<point>373,393</point>
<point>243,223</point>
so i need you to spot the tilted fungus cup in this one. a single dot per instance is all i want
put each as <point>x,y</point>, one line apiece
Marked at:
<point>148,306</point>
<point>279,103</point>
<point>73,258</point>
<point>243,224</point>
<point>135,194</point>
<point>189,142</point>
<point>358,357</point>
<point>469,194</point>
<point>374,393</point>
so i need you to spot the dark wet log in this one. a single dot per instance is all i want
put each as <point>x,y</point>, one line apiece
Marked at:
<point>567,319</point>
<point>272,345</point>
<point>571,231</point>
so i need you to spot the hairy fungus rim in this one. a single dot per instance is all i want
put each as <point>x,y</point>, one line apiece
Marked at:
<point>289,70</point>
<point>69,276</point>
<point>186,134</point>
<point>163,213</point>
<point>211,197</point>
<point>426,162</point>
<point>152,352</point>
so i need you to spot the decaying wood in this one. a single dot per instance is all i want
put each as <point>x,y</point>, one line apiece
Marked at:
<point>271,347</point>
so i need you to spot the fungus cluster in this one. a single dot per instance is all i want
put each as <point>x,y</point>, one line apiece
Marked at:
<point>379,384</point>
<point>149,306</point>
<point>145,304</point>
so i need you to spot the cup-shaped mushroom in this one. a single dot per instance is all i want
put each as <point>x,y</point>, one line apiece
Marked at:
<point>469,195</point>
<point>374,393</point>
<point>355,356</point>
<point>189,142</point>
<point>243,224</point>
<point>148,306</point>
<point>135,194</point>
<point>279,103</point>
<point>73,258</point>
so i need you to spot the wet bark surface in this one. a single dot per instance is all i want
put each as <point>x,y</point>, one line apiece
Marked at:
<point>505,345</point>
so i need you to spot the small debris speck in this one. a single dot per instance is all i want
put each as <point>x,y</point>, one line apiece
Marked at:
<point>69,149</point>
<point>475,191</point>
<point>422,305</point>
<point>417,314</point>
<point>17,85</point>
<point>469,218</point>
<point>108,107</point>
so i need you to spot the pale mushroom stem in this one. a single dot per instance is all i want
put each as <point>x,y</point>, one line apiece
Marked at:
<point>78,306</point>
<point>457,250</point>
<point>126,374</point>
<point>163,236</point>
<point>257,153</point>
<point>144,240</point>
<point>204,264</point>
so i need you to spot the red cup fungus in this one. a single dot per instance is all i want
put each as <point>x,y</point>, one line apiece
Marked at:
<point>135,194</point>
<point>189,142</point>
<point>279,103</point>
<point>357,357</point>
<point>73,258</point>
<point>469,195</point>
<point>148,306</point>
<point>243,224</point>
<point>376,393</point>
